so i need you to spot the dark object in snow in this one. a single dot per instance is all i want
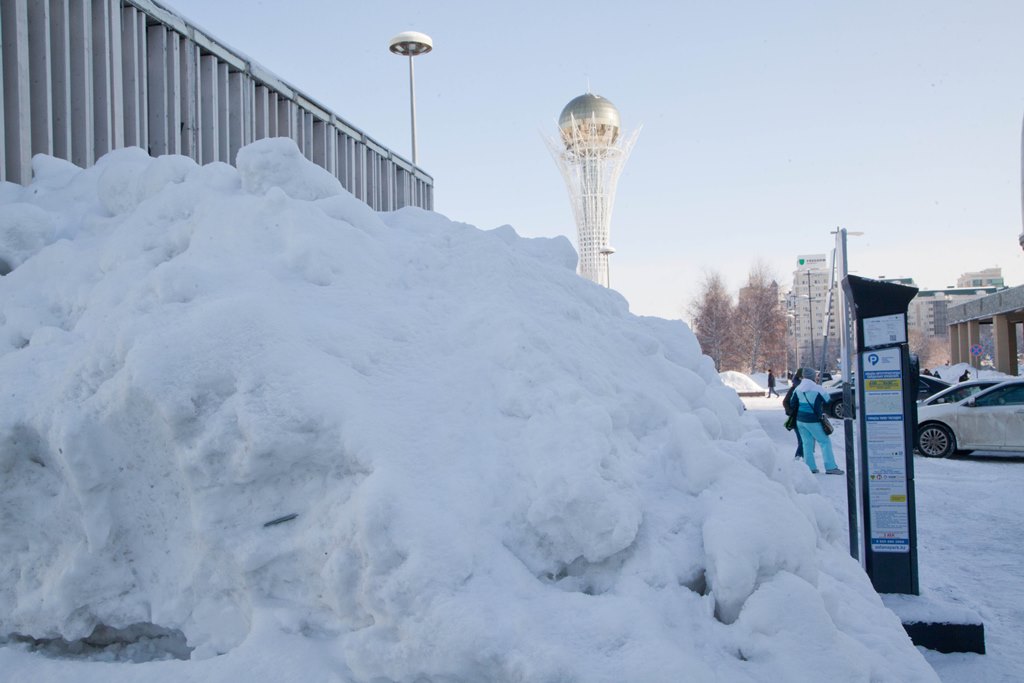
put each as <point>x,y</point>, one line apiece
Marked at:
<point>938,623</point>
<point>138,643</point>
<point>947,638</point>
<point>282,520</point>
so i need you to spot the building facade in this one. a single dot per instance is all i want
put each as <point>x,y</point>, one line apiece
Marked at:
<point>809,306</point>
<point>990,277</point>
<point>929,310</point>
<point>84,77</point>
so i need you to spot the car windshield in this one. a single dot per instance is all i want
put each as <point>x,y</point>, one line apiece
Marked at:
<point>955,394</point>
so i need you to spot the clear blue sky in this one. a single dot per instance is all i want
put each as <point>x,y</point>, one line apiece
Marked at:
<point>765,124</point>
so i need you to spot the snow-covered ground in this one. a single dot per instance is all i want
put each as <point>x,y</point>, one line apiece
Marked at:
<point>251,430</point>
<point>952,373</point>
<point>743,384</point>
<point>970,523</point>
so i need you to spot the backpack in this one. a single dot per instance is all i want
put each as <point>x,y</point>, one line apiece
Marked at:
<point>785,401</point>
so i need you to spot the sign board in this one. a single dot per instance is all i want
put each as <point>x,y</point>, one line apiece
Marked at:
<point>886,474</point>
<point>976,349</point>
<point>806,261</point>
<point>885,329</point>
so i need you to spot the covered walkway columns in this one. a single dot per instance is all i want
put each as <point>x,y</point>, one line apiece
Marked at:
<point>957,350</point>
<point>1004,311</point>
<point>1004,335</point>
<point>961,337</point>
<point>973,337</point>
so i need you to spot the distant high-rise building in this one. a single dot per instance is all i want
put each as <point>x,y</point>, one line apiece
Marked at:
<point>808,305</point>
<point>591,151</point>
<point>927,310</point>
<point>990,277</point>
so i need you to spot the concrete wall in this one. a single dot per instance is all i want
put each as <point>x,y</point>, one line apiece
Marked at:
<point>1007,301</point>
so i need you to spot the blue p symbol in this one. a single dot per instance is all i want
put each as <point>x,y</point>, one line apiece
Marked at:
<point>873,358</point>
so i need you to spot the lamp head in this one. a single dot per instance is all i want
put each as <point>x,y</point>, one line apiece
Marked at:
<point>411,44</point>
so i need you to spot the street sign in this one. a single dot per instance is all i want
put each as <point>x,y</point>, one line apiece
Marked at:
<point>975,349</point>
<point>884,416</point>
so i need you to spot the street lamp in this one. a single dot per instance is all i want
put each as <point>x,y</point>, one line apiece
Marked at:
<point>791,330</point>
<point>411,44</point>
<point>798,337</point>
<point>810,316</point>
<point>838,261</point>
<point>607,252</point>
<point>845,368</point>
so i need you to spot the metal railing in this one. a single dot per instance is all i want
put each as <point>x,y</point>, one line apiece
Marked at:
<point>83,77</point>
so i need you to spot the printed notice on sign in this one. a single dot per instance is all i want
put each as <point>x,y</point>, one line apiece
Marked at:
<point>885,329</point>
<point>886,451</point>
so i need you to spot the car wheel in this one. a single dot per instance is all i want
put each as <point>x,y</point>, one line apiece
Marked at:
<point>936,441</point>
<point>837,410</point>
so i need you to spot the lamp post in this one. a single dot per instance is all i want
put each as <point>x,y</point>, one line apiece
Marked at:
<point>411,44</point>
<point>810,317</point>
<point>795,317</point>
<point>838,262</point>
<point>791,331</point>
<point>607,252</point>
<point>846,345</point>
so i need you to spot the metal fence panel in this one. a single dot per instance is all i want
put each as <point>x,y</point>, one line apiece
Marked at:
<point>83,77</point>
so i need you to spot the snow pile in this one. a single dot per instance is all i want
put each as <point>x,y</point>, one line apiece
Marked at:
<point>242,408</point>
<point>953,373</point>
<point>743,384</point>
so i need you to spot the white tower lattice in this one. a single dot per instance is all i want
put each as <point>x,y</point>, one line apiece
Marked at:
<point>590,152</point>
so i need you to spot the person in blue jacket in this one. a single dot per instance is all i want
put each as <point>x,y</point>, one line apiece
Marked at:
<point>809,401</point>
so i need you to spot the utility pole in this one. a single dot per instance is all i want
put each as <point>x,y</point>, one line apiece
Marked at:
<point>810,318</point>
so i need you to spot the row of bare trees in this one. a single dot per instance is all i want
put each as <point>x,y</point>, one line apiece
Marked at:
<point>747,335</point>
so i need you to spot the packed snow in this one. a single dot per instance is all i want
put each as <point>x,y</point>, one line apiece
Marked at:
<point>253,431</point>
<point>953,373</point>
<point>743,384</point>
<point>970,519</point>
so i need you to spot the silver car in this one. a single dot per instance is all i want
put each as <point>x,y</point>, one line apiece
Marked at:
<point>991,420</point>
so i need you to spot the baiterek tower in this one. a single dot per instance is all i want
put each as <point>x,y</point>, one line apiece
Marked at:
<point>591,151</point>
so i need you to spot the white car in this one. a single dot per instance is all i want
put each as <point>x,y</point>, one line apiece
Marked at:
<point>991,420</point>
<point>959,392</point>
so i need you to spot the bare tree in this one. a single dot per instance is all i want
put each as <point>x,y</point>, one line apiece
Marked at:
<point>931,351</point>
<point>711,314</point>
<point>760,321</point>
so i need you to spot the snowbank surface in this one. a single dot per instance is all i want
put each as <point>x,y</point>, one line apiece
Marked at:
<point>252,430</point>
<point>952,373</point>
<point>740,382</point>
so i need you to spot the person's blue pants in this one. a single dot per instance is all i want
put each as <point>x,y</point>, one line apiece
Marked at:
<point>811,432</point>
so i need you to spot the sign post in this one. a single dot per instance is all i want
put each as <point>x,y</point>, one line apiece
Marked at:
<point>976,351</point>
<point>886,392</point>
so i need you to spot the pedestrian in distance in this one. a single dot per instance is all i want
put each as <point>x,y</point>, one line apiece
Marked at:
<point>771,384</point>
<point>808,400</point>
<point>794,379</point>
